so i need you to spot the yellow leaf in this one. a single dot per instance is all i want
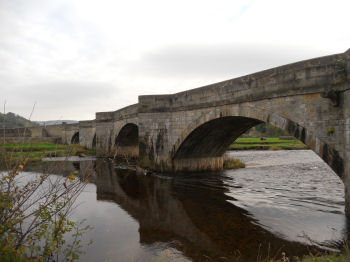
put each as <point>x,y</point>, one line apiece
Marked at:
<point>71,177</point>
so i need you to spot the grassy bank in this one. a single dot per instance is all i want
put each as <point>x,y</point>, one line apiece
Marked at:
<point>271,143</point>
<point>345,257</point>
<point>34,152</point>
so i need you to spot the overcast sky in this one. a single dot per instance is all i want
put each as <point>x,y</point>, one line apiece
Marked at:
<point>75,58</point>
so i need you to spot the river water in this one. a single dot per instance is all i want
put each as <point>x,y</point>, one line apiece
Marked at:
<point>286,201</point>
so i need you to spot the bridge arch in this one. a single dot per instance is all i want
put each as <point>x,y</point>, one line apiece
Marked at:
<point>202,144</point>
<point>127,141</point>
<point>260,115</point>
<point>75,138</point>
<point>93,144</point>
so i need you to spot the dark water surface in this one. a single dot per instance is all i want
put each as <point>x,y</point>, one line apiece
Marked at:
<point>282,201</point>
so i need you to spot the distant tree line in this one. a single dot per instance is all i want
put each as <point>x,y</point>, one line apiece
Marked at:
<point>267,130</point>
<point>11,120</point>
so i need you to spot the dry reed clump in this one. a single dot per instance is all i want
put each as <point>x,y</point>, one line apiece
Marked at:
<point>233,163</point>
<point>274,148</point>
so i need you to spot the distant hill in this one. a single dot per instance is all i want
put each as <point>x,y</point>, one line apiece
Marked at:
<point>11,120</point>
<point>55,122</point>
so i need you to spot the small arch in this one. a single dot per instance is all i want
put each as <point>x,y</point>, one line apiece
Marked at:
<point>128,135</point>
<point>127,141</point>
<point>44,133</point>
<point>75,138</point>
<point>93,145</point>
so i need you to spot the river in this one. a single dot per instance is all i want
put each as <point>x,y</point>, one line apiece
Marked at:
<point>283,201</point>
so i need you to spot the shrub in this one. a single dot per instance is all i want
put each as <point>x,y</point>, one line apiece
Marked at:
<point>34,217</point>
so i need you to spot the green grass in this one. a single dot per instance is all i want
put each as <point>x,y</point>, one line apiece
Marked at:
<point>344,257</point>
<point>34,152</point>
<point>271,143</point>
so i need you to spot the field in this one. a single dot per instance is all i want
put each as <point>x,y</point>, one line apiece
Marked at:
<point>34,152</point>
<point>271,143</point>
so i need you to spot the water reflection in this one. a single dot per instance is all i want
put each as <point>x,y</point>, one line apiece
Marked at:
<point>225,216</point>
<point>191,213</point>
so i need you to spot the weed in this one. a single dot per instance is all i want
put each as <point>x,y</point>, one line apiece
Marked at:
<point>233,163</point>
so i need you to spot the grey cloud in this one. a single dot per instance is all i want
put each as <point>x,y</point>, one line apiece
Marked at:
<point>75,100</point>
<point>217,60</point>
<point>69,92</point>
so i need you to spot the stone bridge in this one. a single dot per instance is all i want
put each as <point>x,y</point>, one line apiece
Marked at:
<point>191,130</point>
<point>83,133</point>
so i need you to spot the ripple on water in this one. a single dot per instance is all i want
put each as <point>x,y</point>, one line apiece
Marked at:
<point>291,193</point>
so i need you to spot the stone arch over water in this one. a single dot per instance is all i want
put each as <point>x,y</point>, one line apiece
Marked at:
<point>127,141</point>
<point>75,138</point>
<point>202,144</point>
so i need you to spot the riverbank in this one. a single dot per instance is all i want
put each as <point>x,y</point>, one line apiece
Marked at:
<point>270,143</point>
<point>344,257</point>
<point>32,153</point>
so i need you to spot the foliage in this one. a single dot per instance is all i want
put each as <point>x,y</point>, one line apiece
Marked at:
<point>330,130</point>
<point>344,257</point>
<point>34,217</point>
<point>11,120</point>
<point>269,130</point>
<point>233,163</point>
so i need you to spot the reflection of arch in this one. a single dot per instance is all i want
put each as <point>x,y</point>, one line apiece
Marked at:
<point>94,142</point>
<point>128,136</point>
<point>76,165</point>
<point>75,138</point>
<point>180,214</point>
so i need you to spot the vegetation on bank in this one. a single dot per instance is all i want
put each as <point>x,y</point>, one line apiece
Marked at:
<point>34,211</point>
<point>267,130</point>
<point>270,143</point>
<point>34,217</point>
<point>34,152</point>
<point>344,257</point>
<point>233,163</point>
